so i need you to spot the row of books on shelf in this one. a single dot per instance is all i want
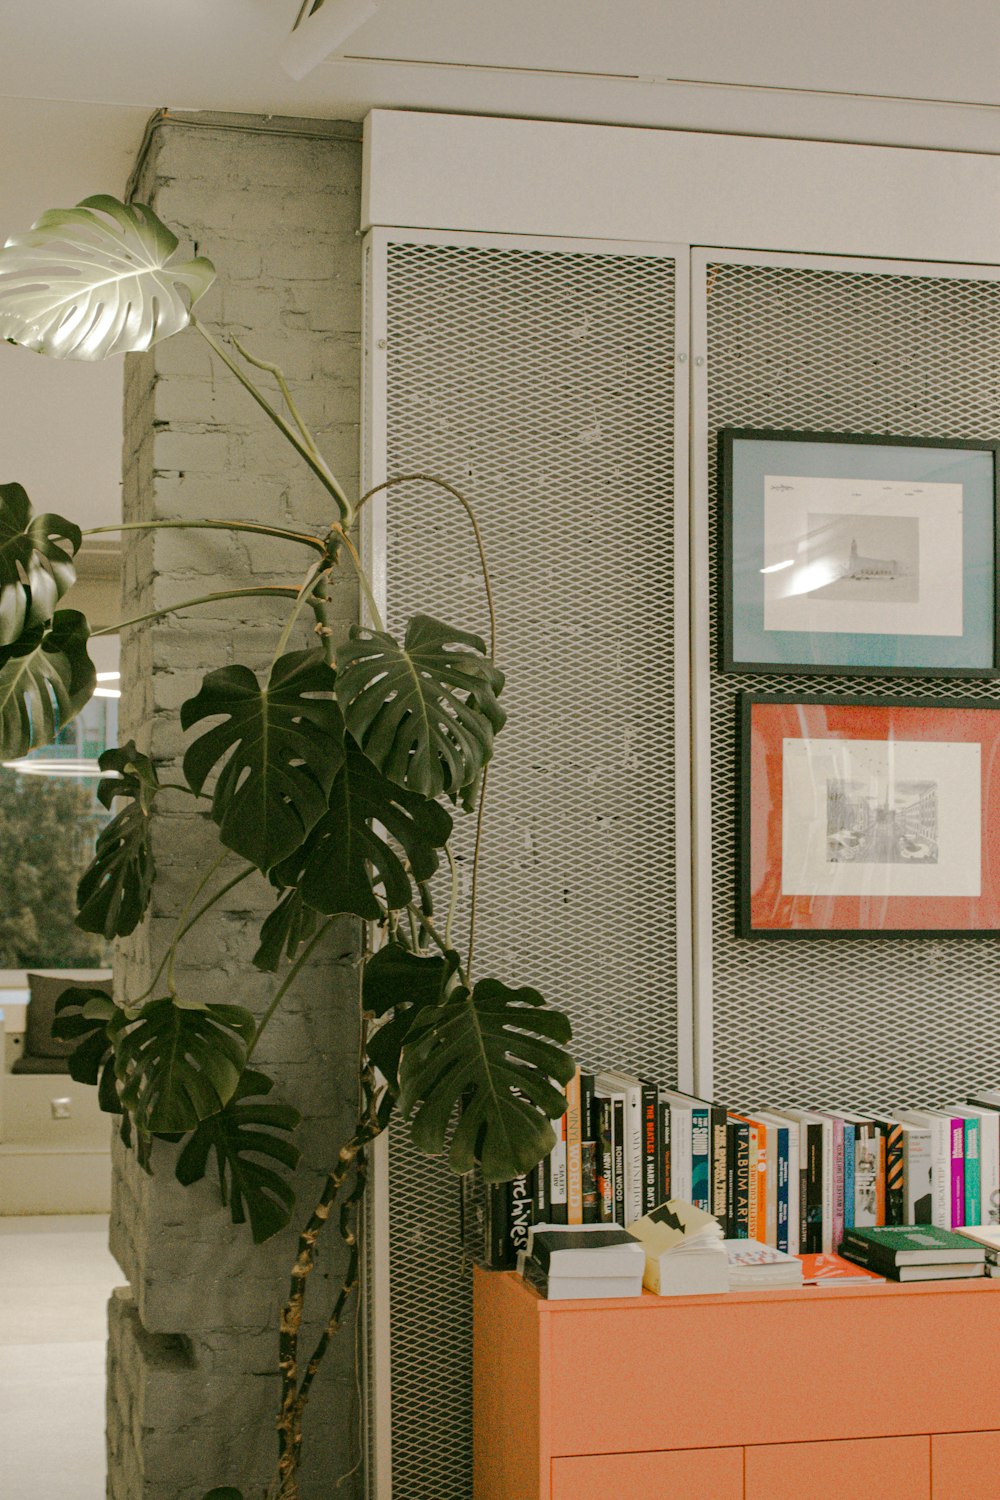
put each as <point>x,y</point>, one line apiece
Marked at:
<point>794,1179</point>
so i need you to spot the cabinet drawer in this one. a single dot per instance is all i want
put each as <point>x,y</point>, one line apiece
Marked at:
<point>965,1465</point>
<point>692,1474</point>
<point>889,1468</point>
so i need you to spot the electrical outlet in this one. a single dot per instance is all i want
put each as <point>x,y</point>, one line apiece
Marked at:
<point>61,1109</point>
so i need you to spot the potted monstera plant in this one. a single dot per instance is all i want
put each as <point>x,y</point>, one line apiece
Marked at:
<point>338,775</point>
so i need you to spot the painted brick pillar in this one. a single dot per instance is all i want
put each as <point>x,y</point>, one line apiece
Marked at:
<point>193,1340</point>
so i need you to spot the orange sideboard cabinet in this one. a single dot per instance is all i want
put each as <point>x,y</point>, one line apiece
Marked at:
<point>883,1392</point>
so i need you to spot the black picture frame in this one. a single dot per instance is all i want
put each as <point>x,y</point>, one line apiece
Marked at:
<point>743,544</point>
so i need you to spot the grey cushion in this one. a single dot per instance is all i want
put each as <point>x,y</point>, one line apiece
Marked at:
<point>45,991</point>
<point>40,1065</point>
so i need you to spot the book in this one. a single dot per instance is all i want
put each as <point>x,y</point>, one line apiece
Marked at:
<point>758,1177</point>
<point>663,1146</point>
<point>683,1249</point>
<point>989,1159</point>
<point>940,1138</point>
<point>833,1224</point>
<point>650,1146</point>
<point>834,1270</point>
<point>910,1245</point>
<point>917,1194</point>
<point>586,1260</point>
<point>556,1182</point>
<point>895,1198</point>
<point>779,1181</point>
<point>680,1146</point>
<point>867,1165</point>
<point>971,1213</point>
<point>738,1207</point>
<point>628,1148</point>
<point>754,1266</point>
<point>574,1152</point>
<point>589,1190</point>
<point>987,1235</point>
<point>604,1156</point>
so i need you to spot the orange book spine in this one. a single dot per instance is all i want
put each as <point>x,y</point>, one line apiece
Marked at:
<point>574,1152</point>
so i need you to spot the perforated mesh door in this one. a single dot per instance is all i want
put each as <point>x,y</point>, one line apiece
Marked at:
<point>541,383</point>
<point>851,1022</point>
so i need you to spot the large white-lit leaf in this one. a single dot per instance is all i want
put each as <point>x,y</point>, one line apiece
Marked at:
<point>96,280</point>
<point>425,712</point>
<point>491,1054</point>
<point>36,563</point>
<point>46,677</point>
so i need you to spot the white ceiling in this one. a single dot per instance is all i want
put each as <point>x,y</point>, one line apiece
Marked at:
<point>79,81</point>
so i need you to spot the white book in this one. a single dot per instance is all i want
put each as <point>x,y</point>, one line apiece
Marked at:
<point>752,1265</point>
<point>989,1158</point>
<point>680,1146</point>
<point>620,1085</point>
<point>939,1125</point>
<point>631,1088</point>
<point>918,1194</point>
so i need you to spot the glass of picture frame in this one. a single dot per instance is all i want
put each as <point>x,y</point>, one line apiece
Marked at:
<point>868,815</point>
<point>845,553</point>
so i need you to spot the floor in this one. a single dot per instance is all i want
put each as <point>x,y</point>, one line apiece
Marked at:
<point>55,1279</point>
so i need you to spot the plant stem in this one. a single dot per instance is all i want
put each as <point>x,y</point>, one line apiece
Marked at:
<point>474,891</point>
<point>316,464</point>
<point>366,588</point>
<point>302,596</point>
<point>180,929</point>
<point>466,506</point>
<point>207,906</point>
<point>283,987</point>
<point>293,411</point>
<point>270,591</point>
<point>453,897</point>
<point>315,542</point>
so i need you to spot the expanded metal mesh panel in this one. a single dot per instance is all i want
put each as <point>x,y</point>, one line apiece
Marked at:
<point>851,1022</point>
<point>541,384</point>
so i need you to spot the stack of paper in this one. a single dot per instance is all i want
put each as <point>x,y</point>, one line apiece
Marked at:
<point>587,1260</point>
<point>753,1266</point>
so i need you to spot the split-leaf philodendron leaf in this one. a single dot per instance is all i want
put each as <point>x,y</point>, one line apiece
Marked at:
<point>405,984</point>
<point>425,712</point>
<point>36,563</point>
<point>96,280</point>
<point>290,924</point>
<point>114,891</point>
<point>346,863</point>
<point>46,677</point>
<point>92,1020</point>
<point>281,747</point>
<point>248,1138</point>
<point>495,1052</point>
<point>180,1062</point>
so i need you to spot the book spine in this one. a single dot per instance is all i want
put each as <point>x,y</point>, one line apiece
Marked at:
<point>941,1172</point>
<point>719,1165</point>
<point>837,1207</point>
<point>973,1211</point>
<point>650,1148</point>
<point>764,1170</point>
<point>880,1179</point>
<point>794,1150</point>
<point>782,1169</point>
<point>865,1174</point>
<point>814,1189</point>
<point>618,1157</point>
<point>557,1175</point>
<point>827,1129</point>
<point>633,1155</point>
<point>665,1145</point>
<point>700,1160</point>
<point>520,1216</point>
<point>680,1153</point>
<point>753,1209</point>
<point>742,1181</point>
<point>989,1165</point>
<point>590,1202</point>
<point>574,1152</point>
<point>917,1186</point>
<point>729,1223</point>
<point>850,1132</point>
<point>895,1198</point>
<point>605,1158</point>
<point>498,1205</point>
<point>957,1137</point>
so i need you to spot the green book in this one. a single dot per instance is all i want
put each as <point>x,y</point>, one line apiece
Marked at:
<point>907,1245</point>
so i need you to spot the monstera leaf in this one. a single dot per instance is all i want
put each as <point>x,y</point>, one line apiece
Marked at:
<point>180,1061</point>
<point>291,924</point>
<point>36,563</point>
<point>405,984</point>
<point>346,858</point>
<point>425,712</point>
<point>114,891</point>
<point>282,747</point>
<point>92,1020</point>
<point>242,1133</point>
<point>493,1051</point>
<point>97,280</point>
<point>46,677</point>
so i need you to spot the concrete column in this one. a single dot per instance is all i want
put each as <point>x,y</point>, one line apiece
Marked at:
<point>193,1381</point>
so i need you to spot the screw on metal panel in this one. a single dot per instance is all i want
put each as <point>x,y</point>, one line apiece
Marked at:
<point>700,360</point>
<point>382,343</point>
<point>681,359</point>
